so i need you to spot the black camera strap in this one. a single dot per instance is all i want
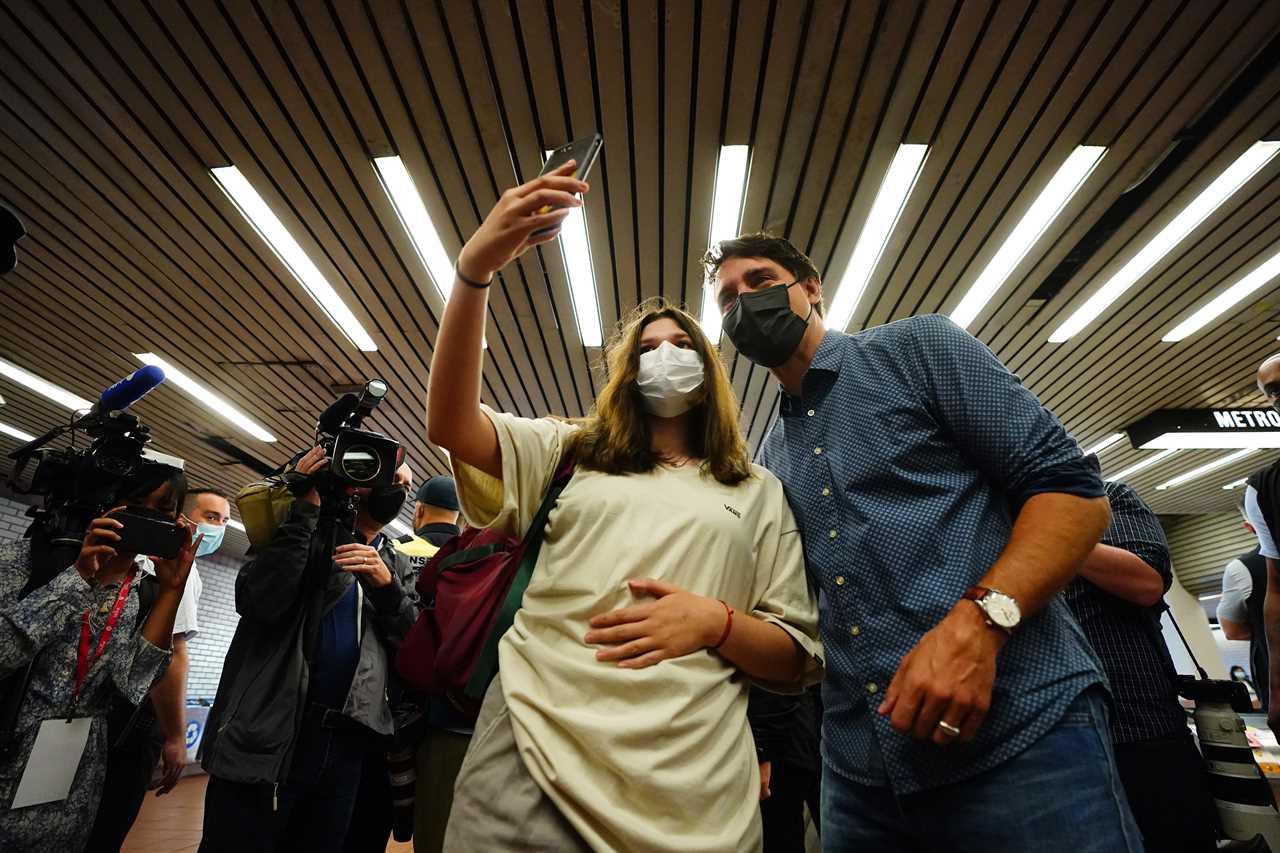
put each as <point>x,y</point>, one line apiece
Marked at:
<point>1204,676</point>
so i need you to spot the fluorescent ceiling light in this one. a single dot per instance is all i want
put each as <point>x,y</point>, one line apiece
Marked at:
<point>1235,484</point>
<point>1209,200</point>
<point>398,526</point>
<point>14,432</point>
<point>61,396</point>
<point>1227,299</point>
<point>1206,468</point>
<point>1104,444</point>
<point>417,223</point>
<point>1210,597</point>
<point>272,231</point>
<point>576,249</point>
<point>237,525</point>
<point>890,200</point>
<point>209,399</point>
<point>1070,176</point>
<point>1214,440</point>
<point>726,220</point>
<point>1145,463</point>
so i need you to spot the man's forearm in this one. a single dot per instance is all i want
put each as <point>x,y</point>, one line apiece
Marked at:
<point>169,695</point>
<point>1123,574</point>
<point>1051,538</point>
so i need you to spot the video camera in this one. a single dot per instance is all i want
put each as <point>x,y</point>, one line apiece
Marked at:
<point>358,458</point>
<point>79,484</point>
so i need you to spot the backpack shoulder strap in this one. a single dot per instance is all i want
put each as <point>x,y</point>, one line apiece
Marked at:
<point>530,547</point>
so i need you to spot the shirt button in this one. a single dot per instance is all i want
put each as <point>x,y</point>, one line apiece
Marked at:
<point>817,451</point>
<point>826,493</point>
<point>812,413</point>
<point>834,533</point>
<point>840,580</point>
<point>855,630</point>
<point>872,687</point>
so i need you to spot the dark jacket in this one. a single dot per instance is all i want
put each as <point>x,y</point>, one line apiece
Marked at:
<point>262,694</point>
<point>786,728</point>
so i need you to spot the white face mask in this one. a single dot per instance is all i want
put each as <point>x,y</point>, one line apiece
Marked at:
<point>670,379</point>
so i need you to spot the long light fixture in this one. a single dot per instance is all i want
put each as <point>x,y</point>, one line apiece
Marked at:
<point>1144,464</point>
<point>398,526</point>
<point>1227,299</point>
<point>407,201</point>
<point>889,203</point>
<point>1104,444</point>
<point>1206,468</point>
<point>1235,484</point>
<point>206,397</point>
<point>1070,176</point>
<point>576,249</point>
<point>1210,199</point>
<point>255,210</point>
<point>29,380</point>
<point>236,525</point>
<point>14,432</point>
<point>1214,440</point>
<point>726,219</point>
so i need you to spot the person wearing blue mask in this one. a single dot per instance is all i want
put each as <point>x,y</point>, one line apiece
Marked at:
<point>155,731</point>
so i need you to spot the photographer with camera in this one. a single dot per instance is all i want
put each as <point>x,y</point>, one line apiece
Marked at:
<point>303,694</point>
<point>155,730</point>
<point>86,645</point>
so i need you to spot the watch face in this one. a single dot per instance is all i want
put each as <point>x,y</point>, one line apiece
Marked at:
<point>1002,609</point>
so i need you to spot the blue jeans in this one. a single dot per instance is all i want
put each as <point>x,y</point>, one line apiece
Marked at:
<point>1060,795</point>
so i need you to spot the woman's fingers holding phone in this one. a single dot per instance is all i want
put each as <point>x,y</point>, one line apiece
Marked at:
<point>535,202</point>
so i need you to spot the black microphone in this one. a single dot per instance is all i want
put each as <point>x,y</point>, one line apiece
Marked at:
<point>129,390</point>
<point>332,419</point>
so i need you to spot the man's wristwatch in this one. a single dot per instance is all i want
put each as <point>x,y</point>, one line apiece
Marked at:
<point>1000,610</point>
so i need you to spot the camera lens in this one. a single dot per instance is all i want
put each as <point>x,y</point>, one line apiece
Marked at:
<point>360,463</point>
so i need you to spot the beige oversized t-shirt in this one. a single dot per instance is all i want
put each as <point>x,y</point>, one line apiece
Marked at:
<point>657,759</point>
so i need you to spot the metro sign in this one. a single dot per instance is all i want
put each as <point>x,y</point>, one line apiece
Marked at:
<point>1206,429</point>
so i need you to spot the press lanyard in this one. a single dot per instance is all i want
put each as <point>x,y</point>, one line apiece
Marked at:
<point>83,662</point>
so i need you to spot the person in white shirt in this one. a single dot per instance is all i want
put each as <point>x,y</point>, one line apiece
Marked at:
<point>156,730</point>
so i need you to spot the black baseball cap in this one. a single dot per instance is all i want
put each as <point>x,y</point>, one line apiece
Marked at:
<point>439,491</point>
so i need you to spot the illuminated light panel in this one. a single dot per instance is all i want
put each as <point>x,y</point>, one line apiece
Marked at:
<point>1226,300</point>
<point>726,219</point>
<point>1070,176</point>
<point>398,526</point>
<point>889,203</point>
<point>1214,440</point>
<point>255,210</point>
<point>14,432</point>
<point>29,380</point>
<point>1235,484</point>
<point>237,525</point>
<point>407,201</point>
<point>1210,199</point>
<point>1196,473</point>
<point>1143,465</point>
<point>205,397</point>
<point>575,246</point>
<point>1104,444</point>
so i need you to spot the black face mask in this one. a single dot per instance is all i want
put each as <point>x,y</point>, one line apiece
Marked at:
<point>764,328</point>
<point>383,504</point>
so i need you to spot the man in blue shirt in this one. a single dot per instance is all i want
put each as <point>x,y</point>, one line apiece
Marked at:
<point>943,508</point>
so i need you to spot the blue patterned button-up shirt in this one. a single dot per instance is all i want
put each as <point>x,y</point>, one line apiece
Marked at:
<point>905,458</point>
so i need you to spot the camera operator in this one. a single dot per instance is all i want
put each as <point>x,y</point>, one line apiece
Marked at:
<point>82,635</point>
<point>300,705</point>
<point>155,730</point>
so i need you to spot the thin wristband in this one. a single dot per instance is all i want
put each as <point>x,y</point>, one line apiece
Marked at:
<point>468,282</point>
<point>728,625</point>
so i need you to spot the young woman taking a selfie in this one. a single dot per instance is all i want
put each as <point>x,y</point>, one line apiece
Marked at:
<point>671,576</point>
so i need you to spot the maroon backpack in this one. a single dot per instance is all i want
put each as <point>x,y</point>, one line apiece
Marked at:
<point>471,589</point>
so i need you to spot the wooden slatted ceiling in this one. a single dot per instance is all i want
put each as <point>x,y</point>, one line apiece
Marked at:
<point>1202,545</point>
<point>112,113</point>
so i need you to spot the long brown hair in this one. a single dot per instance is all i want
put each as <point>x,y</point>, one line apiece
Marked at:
<point>615,437</point>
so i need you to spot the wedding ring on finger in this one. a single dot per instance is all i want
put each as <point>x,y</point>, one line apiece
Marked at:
<point>948,728</point>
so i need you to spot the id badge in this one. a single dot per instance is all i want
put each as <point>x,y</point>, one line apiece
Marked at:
<point>55,758</point>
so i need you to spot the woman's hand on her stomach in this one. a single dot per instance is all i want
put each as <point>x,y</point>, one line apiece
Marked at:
<point>679,623</point>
